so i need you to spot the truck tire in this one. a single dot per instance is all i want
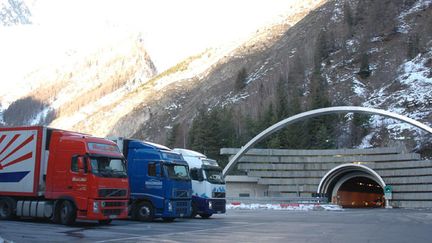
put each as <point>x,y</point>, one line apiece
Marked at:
<point>105,221</point>
<point>194,211</point>
<point>205,215</point>
<point>144,211</point>
<point>67,213</point>
<point>6,208</point>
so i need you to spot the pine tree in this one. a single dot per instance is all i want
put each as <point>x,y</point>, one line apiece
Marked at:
<point>198,131</point>
<point>413,46</point>
<point>348,15</point>
<point>319,129</point>
<point>365,71</point>
<point>241,79</point>
<point>172,136</point>
<point>295,135</point>
<point>281,99</point>
<point>359,127</point>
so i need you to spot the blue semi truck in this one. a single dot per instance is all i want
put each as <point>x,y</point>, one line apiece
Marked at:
<point>160,186</point>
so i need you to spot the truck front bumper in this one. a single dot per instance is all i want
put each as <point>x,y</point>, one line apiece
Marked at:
<point>100,209</point>
<point>177,208</point>
<point>209,206</point>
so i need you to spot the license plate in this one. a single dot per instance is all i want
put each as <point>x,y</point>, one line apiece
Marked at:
<point>181,215</point>
<point>113,216</point>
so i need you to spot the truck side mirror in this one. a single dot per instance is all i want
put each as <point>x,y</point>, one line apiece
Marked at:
<point>200,175</point>
<point>81,165</point>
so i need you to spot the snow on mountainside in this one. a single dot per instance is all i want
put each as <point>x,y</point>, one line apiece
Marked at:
<point>72,81</point>
<point>82,85</point>
<point>374,53</point>
<point>370,53</point>
<point>14,12</point>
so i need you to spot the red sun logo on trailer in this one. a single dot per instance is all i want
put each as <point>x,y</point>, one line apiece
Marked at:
<point>13,151</point>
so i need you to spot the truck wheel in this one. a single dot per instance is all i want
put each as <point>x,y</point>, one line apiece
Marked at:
<point>6,209</point>
<point>205,215</point>
<point>144,211</point>
<point>168,220</point>
<point>67,213</point>
<point>194,211</point>
<point>105,221</point>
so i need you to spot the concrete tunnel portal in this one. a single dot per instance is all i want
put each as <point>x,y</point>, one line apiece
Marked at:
<point>349,185</point>
<point>353,186</point>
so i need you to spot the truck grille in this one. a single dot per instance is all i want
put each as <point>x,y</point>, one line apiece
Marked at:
<point>218,195</point>
<point>219,205</point>
<point>182,207</point>
<point>113,204</point>
<point>182,204</point>
<point>181,194</point>
<point>108,212</point>
<point>112,192</point>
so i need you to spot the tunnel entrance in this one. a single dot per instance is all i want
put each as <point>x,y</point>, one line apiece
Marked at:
<point>360,192</point>
<point>353,186</point>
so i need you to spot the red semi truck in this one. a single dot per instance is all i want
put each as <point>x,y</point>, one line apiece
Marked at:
<point>61,175</point>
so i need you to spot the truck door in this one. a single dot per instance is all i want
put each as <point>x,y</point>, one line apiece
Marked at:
<point>154,183</point>
<point>79,179</point>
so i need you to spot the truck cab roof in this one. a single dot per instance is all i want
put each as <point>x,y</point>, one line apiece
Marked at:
<point>162,152</point>
<point>187,152</point>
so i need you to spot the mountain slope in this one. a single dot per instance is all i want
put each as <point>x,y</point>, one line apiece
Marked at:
<point>370,53</point>
<point>84,87</point>
<point>14,12</point>
<point>361,52</point>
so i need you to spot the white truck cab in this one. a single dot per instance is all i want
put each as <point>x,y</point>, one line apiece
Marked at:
<point>208,185</point>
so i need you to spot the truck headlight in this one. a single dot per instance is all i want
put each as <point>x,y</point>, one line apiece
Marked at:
<point>210,205</point>
<point>170,208</point>
<point>95,207</point>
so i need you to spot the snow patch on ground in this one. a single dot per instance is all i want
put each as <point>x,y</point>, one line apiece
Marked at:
<point>40,116</point>
<point>284,207</point>
<point>418,6</point>
<point>359,88</point>
<point>234,99</point>
<point>173,107</point>
<point>412,99</point>
<point>366,141</point>
<point>352,45</point>
<point>416,71</point>
<point>416,97</point>
<point>337,13</point>
<point>260,72</point>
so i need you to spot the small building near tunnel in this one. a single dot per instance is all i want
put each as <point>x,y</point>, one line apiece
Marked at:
<point>348,177</point>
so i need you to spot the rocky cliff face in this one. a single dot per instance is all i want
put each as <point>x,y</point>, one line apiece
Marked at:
<point>368,53</point>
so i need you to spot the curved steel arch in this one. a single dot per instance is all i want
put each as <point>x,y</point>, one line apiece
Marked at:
<point>314,113</point>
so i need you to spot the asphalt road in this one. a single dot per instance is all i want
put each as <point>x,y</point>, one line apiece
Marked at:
<point>354,225</point>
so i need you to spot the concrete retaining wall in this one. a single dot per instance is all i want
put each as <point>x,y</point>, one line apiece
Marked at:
<point>297,173</point>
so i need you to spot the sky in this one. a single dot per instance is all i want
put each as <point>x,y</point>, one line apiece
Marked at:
<point>171,30</point>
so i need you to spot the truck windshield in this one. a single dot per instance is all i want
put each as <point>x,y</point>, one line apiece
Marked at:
<point>108,167</point>
<point>177,171</point>
<point>214,176</point>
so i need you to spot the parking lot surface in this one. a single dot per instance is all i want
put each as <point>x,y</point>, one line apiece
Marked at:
<point>353,225</point>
